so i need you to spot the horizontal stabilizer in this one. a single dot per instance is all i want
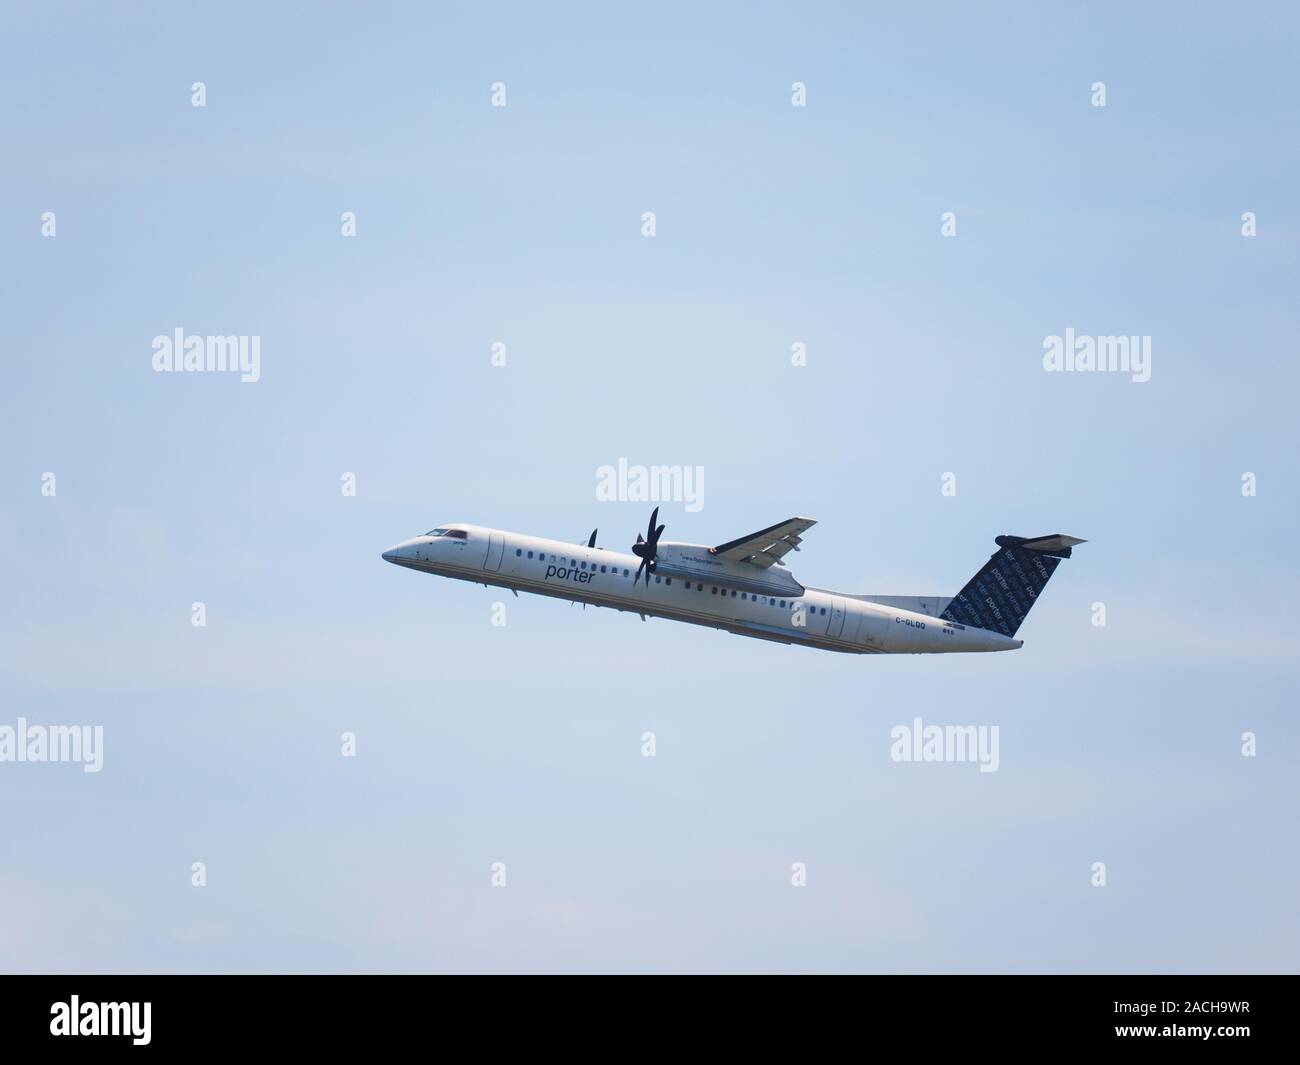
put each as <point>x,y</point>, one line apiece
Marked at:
<point>1056,544</point>
<point>932,605</point>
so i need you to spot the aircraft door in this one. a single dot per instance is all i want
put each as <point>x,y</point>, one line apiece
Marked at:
<point>496,548</point>
<point>837,618</point>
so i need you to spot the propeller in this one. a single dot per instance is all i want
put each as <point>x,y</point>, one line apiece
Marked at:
<point>647,547</point>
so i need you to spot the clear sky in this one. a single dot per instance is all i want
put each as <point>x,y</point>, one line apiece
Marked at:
<point>522,225</point>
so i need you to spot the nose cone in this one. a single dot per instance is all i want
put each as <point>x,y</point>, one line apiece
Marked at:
<point>400,553</point>
<point>410,553</point>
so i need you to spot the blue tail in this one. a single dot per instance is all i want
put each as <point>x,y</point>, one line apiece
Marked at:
<point>1000,595</point>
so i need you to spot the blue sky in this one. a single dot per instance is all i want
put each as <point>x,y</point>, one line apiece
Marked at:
<point>775,225</point>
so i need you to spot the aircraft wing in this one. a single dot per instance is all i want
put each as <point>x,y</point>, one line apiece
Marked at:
<point>767,546</point>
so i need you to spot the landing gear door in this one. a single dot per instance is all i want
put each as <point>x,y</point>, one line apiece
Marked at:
<point>496,547</point>
<point>837,618</point>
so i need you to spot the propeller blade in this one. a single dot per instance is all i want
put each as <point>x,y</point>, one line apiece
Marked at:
<point>592,541</point>
<point>647,547</point>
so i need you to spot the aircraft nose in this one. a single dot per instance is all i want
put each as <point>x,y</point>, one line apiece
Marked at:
<point>403,553</point>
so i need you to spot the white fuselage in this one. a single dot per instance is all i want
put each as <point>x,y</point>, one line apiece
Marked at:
<point>813,617</point>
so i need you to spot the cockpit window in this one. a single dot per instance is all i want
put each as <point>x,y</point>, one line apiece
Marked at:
<point>451,534</point>
<point>436,532</point>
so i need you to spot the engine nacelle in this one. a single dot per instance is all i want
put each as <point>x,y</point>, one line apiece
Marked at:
<point>693,562</point>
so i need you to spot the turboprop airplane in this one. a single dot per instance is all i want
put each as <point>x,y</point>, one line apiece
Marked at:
<point>743,586</point>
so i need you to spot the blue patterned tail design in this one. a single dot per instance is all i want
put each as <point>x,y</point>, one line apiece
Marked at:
<point>1000,595</point>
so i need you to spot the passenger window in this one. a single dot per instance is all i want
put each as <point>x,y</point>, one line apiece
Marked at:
<point>518,551</point>
<point>602,569</point>
<point>669,581</point>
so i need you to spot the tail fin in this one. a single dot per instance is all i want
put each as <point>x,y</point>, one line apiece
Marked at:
<point>1000,595</point>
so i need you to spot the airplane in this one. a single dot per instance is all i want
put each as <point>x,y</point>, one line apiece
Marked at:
<point>744,586</point>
